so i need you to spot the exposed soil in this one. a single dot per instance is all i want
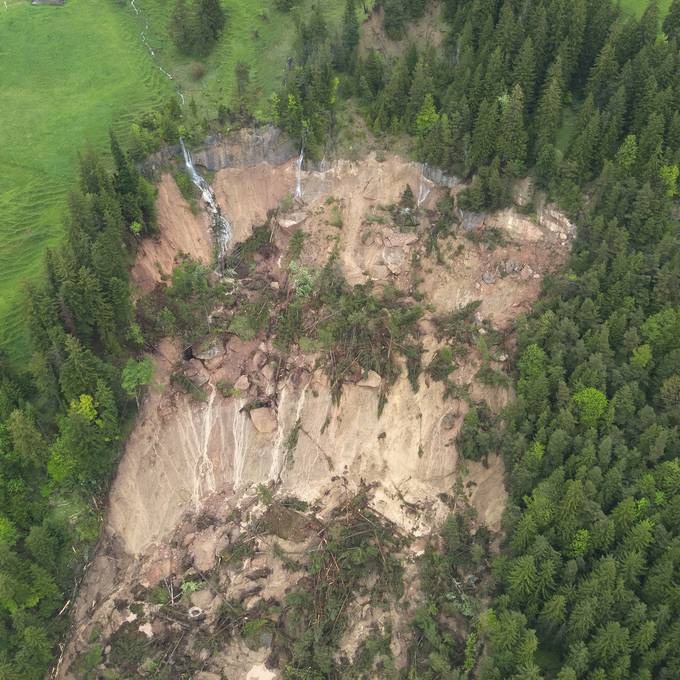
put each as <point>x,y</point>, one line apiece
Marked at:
<point>186,461</point>
<point>180,231</point>
<point>246,194</point>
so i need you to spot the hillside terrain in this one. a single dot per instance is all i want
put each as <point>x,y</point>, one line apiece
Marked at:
<point>72,72</point>
<point>218,468</point>
<point>385,388</point>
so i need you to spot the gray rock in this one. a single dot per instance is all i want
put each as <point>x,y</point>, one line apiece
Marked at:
<point>243,383</point>
<point>196,374</point>
<point>246,148</point>
<point>258,360</point>
<point>241,149</point>
<point>209,349</point>
<point>488,278</point>
<point>522,192</point>
<point>449,421</point>
<point>438,176</point>
<point>511,266</point>
<point>471,221</point>
<point>394,259</point>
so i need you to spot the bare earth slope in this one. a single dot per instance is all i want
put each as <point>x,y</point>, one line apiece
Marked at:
<point>180,231</point>
<point>185,461</point>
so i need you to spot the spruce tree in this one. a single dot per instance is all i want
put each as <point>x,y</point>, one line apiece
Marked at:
<point>422,85</point>
<point>485,134</point>
<point>671,24</point>
<point>211,19</point>
<point>126,176</point>
<point>350,34</point>
<point>512,140</point>
<point>549,111</point>
<point>524,71</point>
<point>648,28</point>
<point>585,147</point>
<point>603,78</point>
<point>181,27</point>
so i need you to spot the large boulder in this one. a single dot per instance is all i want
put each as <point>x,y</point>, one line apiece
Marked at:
<point>372,381</point>
<point>264,420</point>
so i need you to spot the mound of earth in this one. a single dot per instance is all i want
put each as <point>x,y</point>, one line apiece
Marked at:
<point>197,476</point>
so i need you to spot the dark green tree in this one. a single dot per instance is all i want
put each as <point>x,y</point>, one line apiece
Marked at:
<point>350,35</point>
<point>671,23</point>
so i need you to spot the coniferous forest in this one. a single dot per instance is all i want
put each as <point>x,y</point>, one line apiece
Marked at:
<point>578,95</point>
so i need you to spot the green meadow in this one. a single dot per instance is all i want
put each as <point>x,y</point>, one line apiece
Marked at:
<point>639,6</point>
<point>67,74</point>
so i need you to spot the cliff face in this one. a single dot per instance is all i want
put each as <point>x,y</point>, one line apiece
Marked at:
<point>195,473</point>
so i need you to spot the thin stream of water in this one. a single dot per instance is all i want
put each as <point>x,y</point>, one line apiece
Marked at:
<point>298,173</point>
<point>425,186</point>
<point>152,52</point>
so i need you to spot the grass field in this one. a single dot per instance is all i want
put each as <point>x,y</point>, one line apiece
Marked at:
<point>67,74</point>
<point>639,6</point>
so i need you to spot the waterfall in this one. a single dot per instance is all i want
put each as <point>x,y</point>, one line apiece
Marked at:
<point>239,433</point>
<point>425,186</point>
<point>298,173</point>
<point>222,228</point>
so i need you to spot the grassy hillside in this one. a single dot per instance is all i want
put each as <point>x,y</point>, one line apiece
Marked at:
<point>68,73</point>
<point>256,33</point>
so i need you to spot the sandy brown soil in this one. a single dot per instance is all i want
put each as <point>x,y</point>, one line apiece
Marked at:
<point>185,459</point>
<point>180,231</point>
<point>246,194</point>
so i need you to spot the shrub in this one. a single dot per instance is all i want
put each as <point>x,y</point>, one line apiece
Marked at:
<point>442,364</point>
<point>197,70</point>
<point>296,244</point>
<point>479,434</point>
<point>336,217</point>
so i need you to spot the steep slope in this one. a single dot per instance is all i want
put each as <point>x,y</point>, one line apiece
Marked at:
<point>198,474</point>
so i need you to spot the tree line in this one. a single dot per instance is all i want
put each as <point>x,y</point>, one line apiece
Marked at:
<point>583,98</point>
<point>586,583</point>
<point>62,415</point>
